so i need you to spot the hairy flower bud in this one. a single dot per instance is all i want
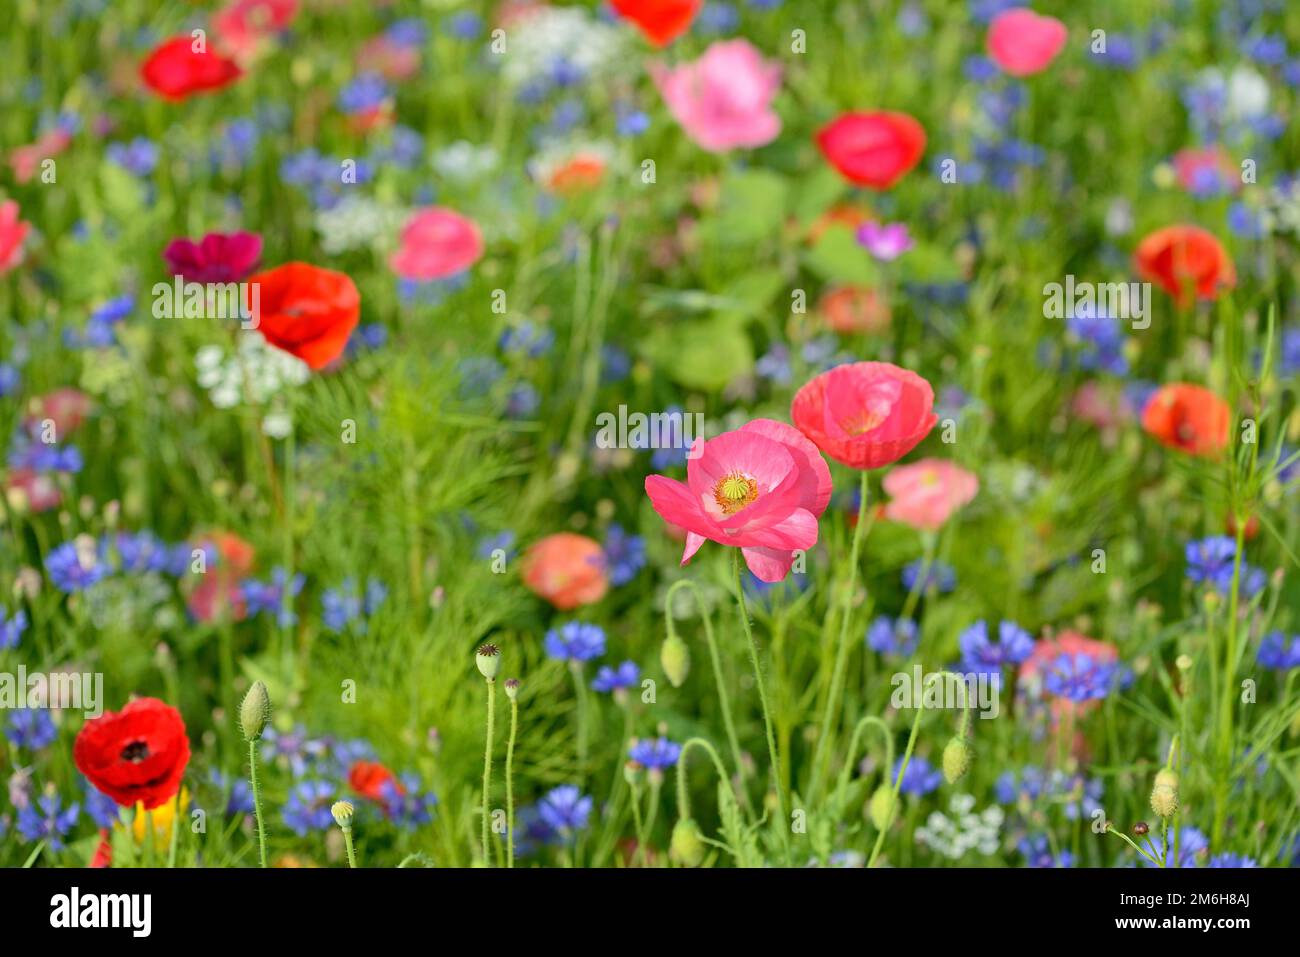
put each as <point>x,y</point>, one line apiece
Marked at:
<point>675,658</point>
<point>957,757</point>
<point>1164,796</point>
<point>687,846</point>
<point>255,711</point>
<point>881,806</point>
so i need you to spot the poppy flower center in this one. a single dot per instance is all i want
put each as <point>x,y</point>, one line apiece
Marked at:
<point>735,492</point>
<point>135,752</point>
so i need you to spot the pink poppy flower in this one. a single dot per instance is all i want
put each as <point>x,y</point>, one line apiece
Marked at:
<point>12,233</point>
<point>723,100</point>
<point>926,493</point>
<point>760,488</point>
<point>25,161</point>
<point>567,570</point>
<point>65,407</point>
<point>1207,171</point>
<point>245,25</point>
<point>436,243</point>
<point>31,491</point>
<point>1022,42</point>
<point>217,257</point>
<point>865,414</point>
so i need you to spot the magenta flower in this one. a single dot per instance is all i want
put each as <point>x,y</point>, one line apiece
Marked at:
<point>436,243</point>
<point>760,488</point>
<point>885,242</point>
<point>723,100</point>
<point>217,257</point>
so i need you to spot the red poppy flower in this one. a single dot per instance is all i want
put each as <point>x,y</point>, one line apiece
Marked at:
<point>177,69</point>
<point>1189,418</point>
<point>368,779</point>
<point>307,311</point>
<point>662,21</point>
<point>1186,262</point>
<point>872,149</point>
<point>138,754</point>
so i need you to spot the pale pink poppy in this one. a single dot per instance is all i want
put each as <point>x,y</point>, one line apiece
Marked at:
<point>723,100</point>
<point>25,161</point>
<point>925,494</point>
<point>245,25</point>
<point>436,243</point>
<point>567,570</point>
<point>1022,42</point>
<point>12,233</point>
<point>760,488</point>
<point>1049,650</point>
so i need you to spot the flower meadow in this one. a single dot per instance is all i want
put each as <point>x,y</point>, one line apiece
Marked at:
<point>649,434</point>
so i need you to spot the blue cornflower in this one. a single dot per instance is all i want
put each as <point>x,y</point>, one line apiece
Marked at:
<point>365,92</point>
<point>1268,49</point>
<point>10,379</point>
<point>630,122</point>
<point>404,149</point>
<point>502,541</point>
<point>527,338</point>
<point>72,569</point>
<point>892,636</point>
<point>293,748</point>
<point>341,606</point>
<point>1209,559</point>
<point>137,553</point>
<point>100,808</point>
<point>11,628</point>
<point>941,576</point>
<point>774,365</point>
<point>308,807</point>
<point>139,157</point>
<point>52,822</point>
<point>269,596</point>
<point>1278,652</point>
<point>655,755</point>
<point>31,729</point>
<point>522,401</point>
<point>1101,340</point>
<point>1121,52</point>
<point>407,806</point>
<point>980,69</point>
<point>610,679</point>
<point>43,457</point>
<point>478,374</point>
<point>575,641</point>
<point>1289,355</point>
<point>565,809</point>
<point>1037,852</point>
<point>1231,860</point>
<point>1010,787</point>
<point>615,364</point>
<point>624,554</point>
<point>920,778</point>
<point>239,796</point>
<point>1081,677</point>
<point>466,25</point>
<point>1191,844</point>
<point>980,654</point>
<point>717,18</point>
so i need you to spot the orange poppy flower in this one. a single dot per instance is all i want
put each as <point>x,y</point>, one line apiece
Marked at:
<point>1185,261</point>
<point>1189,418</point>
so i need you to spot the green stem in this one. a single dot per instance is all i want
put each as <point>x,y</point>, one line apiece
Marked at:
<point>487,765</point>
<point>638,824</point>
<point>510,786</point>
<point>580,693</point>
<point>898,783</point>
<point>257,800</point>
<point>869,720</point>
<point>821,756</point>
<point>724,700</point>
<point>784,821</point>
<point>347,842</point>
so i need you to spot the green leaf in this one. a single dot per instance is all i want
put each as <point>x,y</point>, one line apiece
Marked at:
<point>705,355</point>
<point>751,208</point>
<point>838,258</point>
<point>926,263</point>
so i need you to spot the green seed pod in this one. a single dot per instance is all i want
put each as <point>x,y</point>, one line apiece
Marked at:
<point>957,758</point>
<point>342,811</point>
<point>1164,796</point>
<point>488,659</point>
<point>512,688</point>
<point>675,658</point>
<point>255,711</point>
<point>688,844</point>
<point>632,772</point>
<point>881,806</point>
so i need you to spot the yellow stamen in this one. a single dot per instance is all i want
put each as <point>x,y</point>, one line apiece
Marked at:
<point>735,492</point>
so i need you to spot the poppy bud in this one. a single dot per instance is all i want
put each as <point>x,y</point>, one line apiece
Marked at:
<point>632,773</point>
<point>1141,828</point>
<point>342,811</point>
<point>488,659</point>
<point>881,807</point>
<point>255,711</point>
<point>512,688</point>
<point>675,658</point>
<point>688,844</point>
<point>1164,796</point>
<point>957,757</point>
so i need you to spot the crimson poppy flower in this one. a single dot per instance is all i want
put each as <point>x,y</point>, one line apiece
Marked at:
<point>1189,418</point>
<point>1186,262</point>
<point>872,149</point>
<point>662,21</point>
<point>216,258</point>
<point>176,69</point>
<point>136,755</point>
<point>865,414</point>
<point>305,310</point>
<point>368,779</point>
